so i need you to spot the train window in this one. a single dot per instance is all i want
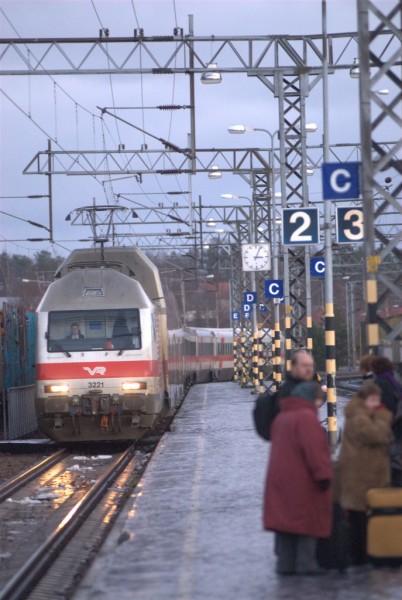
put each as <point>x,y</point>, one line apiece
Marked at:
<point>87,330</point>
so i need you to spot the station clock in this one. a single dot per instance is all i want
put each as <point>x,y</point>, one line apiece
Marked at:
<point>256,257</point>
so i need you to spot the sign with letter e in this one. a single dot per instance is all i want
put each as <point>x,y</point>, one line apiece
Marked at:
<point>317,267</point>
<point>300,226</point>
<point>341,181</point>
<point>274,288</point>
<point>236,315</point>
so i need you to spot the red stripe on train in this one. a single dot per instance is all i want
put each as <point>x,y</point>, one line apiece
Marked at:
<point>95,370</point>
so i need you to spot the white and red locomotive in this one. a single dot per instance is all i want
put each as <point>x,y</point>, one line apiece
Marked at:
<point>107,366</point>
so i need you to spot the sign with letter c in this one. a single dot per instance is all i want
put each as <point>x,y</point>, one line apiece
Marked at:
<point>341,181</point>
<point>317,267</point>
<point>274,288</point>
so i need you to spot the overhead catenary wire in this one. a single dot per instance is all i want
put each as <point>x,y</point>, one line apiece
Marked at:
<point>46,133</point>
<point>55,85</point>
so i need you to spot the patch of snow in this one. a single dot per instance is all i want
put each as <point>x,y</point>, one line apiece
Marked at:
<point>102,457</point>
<point>74,468</point>
<point>81,458</point>
<point>47,496</point>
<point>26,500</point>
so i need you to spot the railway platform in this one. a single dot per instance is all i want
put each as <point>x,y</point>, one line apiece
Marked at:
<point>193,528</point>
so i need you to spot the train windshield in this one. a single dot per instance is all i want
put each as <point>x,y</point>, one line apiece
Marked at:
<point>86,330</point>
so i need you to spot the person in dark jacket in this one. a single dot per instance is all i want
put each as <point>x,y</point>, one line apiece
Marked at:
<point>298,498</point>
<point>302,369</point>
<point>391,397</point>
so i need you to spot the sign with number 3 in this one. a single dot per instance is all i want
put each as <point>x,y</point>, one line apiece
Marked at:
<point>349,225</point>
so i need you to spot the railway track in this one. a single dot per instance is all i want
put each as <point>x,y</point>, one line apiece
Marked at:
<point>10,487</point>
<point>53,568</point>
<point>349,383</point>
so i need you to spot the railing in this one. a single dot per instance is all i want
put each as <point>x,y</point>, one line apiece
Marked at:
<point>19,416</point>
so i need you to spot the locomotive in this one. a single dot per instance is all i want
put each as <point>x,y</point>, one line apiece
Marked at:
<point>107,365</point>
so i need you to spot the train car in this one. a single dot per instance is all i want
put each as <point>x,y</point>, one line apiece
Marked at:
<point>209,354</point>
<point>107,366</point>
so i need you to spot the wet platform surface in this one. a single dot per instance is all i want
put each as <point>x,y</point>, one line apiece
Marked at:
<point>193,528</point>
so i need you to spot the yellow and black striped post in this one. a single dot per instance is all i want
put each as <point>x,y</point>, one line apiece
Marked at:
<point>255,361</point>
<point>261,363</point>
<point>309,320</point>
<point>373,330</point>
<point>244,375</point>
<point>273,359</point>
<point>330,363</point>
<point>277,357</point>
<point>235,362</point>
<point>288,338</point>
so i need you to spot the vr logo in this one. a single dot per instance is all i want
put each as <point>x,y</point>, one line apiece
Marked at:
<point>95,371</point>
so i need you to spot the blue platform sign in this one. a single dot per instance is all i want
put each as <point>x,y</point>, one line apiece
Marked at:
<point>236,315</point>
<point>274,288</point>
<point>341,181</point>
<point>349,225</point>
<point>247,308</point>
<point>317,267</point>
<point>250,297</point>
<point>300,226</point>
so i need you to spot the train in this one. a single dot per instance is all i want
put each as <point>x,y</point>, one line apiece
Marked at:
<point>111,360</point>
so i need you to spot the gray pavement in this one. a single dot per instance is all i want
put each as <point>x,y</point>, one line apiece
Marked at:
<point>193,528</point>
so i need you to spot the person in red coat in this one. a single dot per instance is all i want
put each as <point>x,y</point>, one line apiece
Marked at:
<point>298,499</point>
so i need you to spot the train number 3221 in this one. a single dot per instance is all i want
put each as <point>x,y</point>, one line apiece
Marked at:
<point>95,384</point>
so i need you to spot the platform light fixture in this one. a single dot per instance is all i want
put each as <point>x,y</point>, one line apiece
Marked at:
<point>212,75</point>
<point>355,70</point>
<point>215,172</point>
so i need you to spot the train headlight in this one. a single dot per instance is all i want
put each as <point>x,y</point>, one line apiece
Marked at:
<point>129,386</point>
<point>57,388</point>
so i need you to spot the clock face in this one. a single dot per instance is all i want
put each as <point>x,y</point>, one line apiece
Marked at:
<point>256,257</point>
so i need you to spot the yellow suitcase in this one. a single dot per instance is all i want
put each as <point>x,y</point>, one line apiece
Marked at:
<point>384,526</point>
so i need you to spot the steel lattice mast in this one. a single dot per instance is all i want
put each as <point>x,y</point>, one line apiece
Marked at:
<point>379,66</point>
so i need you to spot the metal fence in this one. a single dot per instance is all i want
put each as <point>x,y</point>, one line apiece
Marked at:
<point>19,417</point>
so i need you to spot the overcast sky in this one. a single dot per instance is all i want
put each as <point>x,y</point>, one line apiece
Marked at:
<point>238,99</point>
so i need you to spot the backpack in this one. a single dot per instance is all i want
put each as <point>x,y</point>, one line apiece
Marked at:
<point>265,410</point>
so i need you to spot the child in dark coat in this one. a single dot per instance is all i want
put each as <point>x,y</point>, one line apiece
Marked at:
<point>298,501</point>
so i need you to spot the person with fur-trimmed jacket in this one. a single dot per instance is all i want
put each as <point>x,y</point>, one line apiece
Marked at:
<point>363,461</point>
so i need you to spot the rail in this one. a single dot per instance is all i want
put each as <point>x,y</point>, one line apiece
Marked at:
<point>10,487</point>
<point>23,582</point>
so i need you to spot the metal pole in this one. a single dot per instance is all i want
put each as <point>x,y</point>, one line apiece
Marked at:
<point>201,231</point>
<point>192,93</point>
<point>275,272</point>
<point>50,190</point>
<point>372,260</point>
<point>353,323</point>
<point>183,298</point>
<point>347,300</point>
<point>330,357</point>
<point>285,252</point>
